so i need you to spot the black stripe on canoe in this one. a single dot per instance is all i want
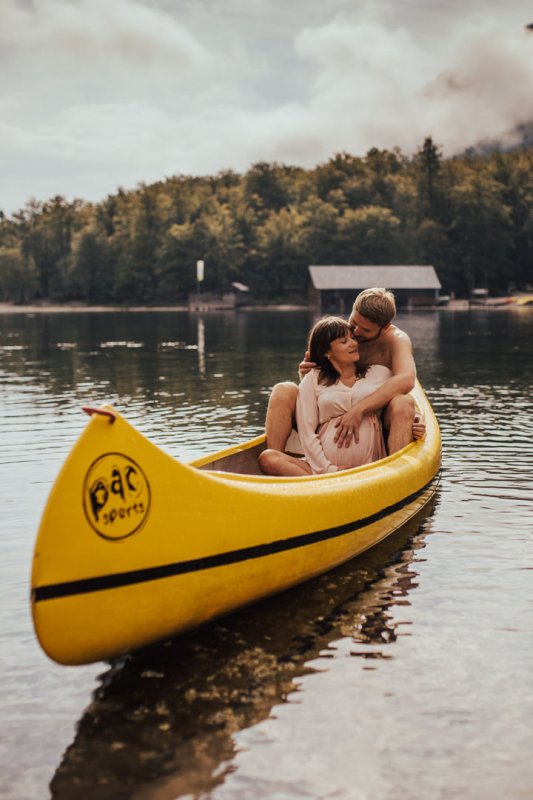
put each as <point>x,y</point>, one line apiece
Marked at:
<point>121,579</point>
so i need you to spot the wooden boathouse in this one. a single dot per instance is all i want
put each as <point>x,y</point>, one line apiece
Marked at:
<point>335,287</point>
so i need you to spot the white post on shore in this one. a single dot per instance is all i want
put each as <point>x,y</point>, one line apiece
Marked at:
<point>199,275</point>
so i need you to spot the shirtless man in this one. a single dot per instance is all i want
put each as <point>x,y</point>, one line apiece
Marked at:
<point>380,342</point>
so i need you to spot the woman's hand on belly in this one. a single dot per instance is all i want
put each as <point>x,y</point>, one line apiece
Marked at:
<point>347,427</point>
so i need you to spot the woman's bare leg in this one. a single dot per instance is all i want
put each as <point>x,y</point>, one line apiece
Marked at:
<point>280,415</point>
<point>272,462</point>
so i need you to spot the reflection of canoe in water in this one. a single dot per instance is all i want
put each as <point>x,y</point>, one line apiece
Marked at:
<point>135,546</point>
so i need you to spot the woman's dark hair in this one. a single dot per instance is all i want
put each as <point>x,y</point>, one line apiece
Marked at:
<point>322,334</point>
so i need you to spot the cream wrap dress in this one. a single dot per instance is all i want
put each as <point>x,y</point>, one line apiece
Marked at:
<point>317,408</point>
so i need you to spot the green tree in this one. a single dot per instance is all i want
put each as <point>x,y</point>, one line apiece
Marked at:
<point>369,235</point>
<point>18,276</point>
<point>280,262</point>
<point>93,268</point>
<point>320,231</point>
<point>265,188</point>
<point>428,162</point>
<point>481,233</point>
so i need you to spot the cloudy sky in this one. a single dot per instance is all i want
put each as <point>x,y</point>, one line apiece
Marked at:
<point>101,93</point>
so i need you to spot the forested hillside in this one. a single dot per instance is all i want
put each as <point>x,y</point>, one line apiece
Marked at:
<point>471,217</point>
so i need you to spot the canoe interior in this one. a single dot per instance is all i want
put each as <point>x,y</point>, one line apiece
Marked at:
<point>244,462</point>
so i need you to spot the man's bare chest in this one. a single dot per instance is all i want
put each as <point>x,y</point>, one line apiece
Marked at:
<point>375,354</point>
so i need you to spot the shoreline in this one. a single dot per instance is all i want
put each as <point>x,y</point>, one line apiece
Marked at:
<point>32,308</point>
<point>70,308</point>
<point>9,308</point>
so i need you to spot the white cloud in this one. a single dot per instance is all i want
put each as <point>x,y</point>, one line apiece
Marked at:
<point>486,92</point>
<point>97,94</point>
<point>124,30</point>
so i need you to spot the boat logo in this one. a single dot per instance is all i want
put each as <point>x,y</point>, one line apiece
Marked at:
<point>116,496</point>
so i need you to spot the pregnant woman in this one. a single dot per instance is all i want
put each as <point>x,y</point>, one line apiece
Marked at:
<point>327,392</point>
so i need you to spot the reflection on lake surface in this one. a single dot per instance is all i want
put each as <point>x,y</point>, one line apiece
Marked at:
<point>405,673</point>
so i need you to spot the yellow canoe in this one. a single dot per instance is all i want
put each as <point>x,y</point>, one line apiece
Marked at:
<point>135,546</point>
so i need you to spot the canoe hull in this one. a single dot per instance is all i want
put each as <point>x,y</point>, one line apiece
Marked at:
<point>182,545</point>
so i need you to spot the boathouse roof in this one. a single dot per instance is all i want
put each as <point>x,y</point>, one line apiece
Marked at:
<point>395,276</point>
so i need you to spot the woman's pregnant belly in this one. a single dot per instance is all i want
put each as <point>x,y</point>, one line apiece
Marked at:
<point>370,446</point>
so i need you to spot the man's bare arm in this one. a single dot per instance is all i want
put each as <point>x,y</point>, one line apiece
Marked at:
<point>401,381</point>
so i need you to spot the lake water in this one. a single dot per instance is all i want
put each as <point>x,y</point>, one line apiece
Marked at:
<point>406,673</point>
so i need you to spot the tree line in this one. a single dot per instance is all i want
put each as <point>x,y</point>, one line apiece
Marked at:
<point>471,217</point>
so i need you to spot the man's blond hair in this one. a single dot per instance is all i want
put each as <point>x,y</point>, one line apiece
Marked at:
<point>377,305</point>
